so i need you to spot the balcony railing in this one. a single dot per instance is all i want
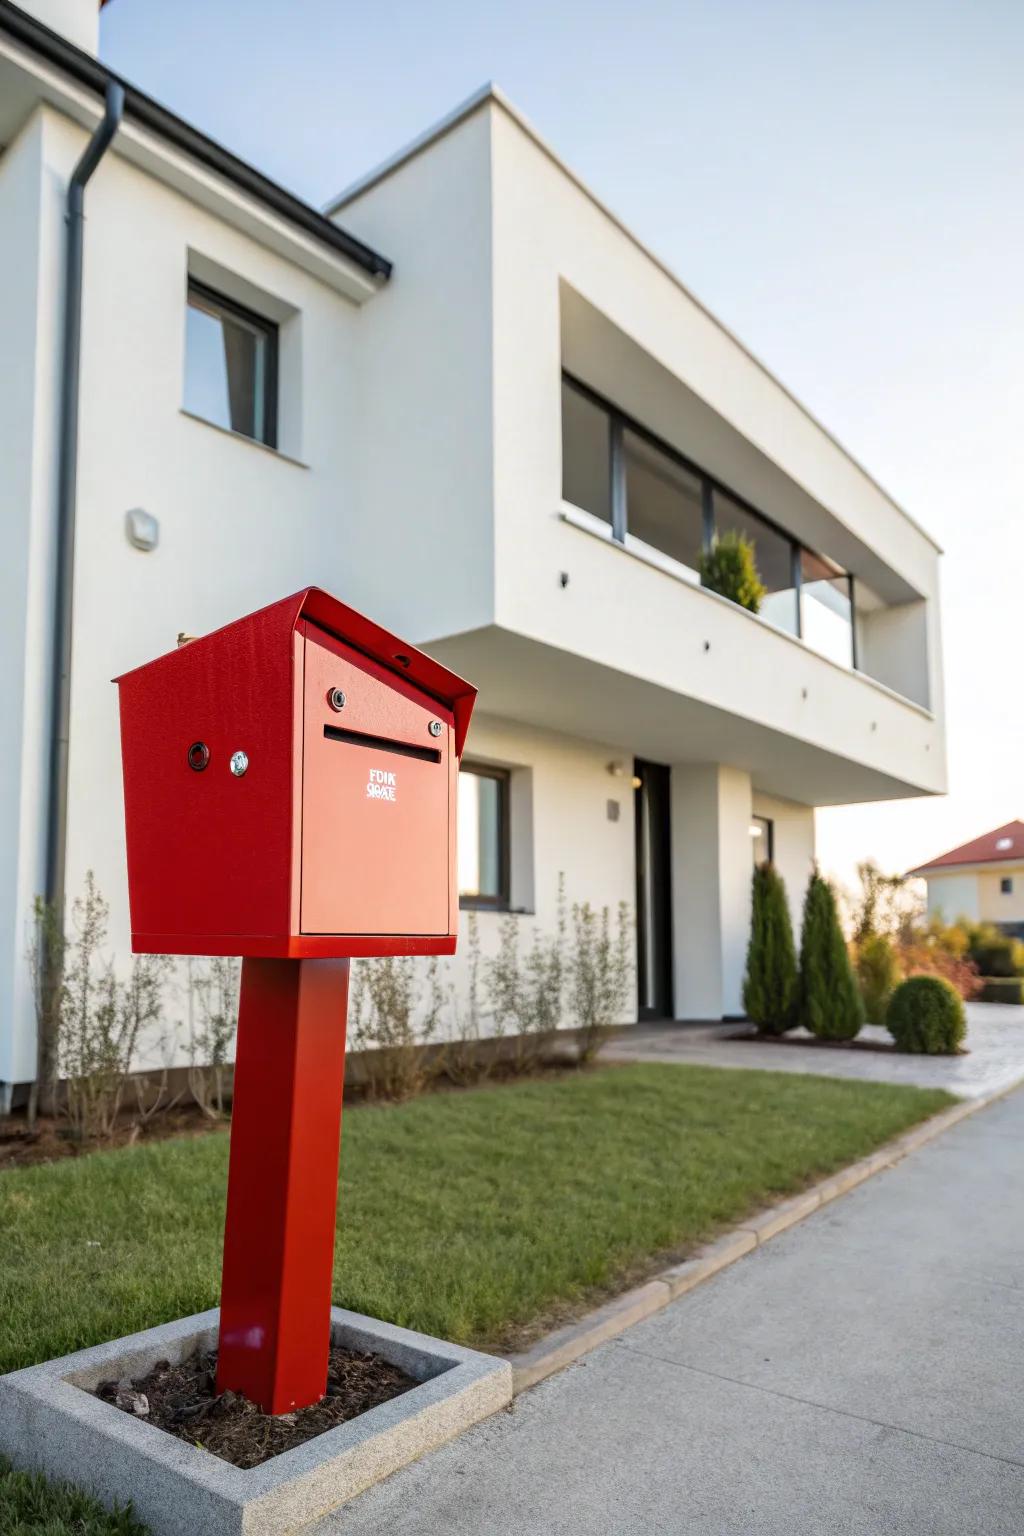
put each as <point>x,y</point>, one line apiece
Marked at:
<point>616,470</point>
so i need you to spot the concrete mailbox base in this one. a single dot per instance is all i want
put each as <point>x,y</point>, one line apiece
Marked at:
<point>51,1422</point>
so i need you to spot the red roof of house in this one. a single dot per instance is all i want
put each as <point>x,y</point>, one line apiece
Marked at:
<point>991,848</point>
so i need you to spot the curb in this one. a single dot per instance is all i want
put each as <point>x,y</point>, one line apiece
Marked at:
<point>566,1345</point>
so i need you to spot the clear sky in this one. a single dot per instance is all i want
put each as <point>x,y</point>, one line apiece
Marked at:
<point>839,180</point>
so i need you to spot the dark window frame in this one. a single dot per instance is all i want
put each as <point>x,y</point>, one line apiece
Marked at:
<point>1006,885</point>
<point>502,901</point>
<point>621,421</point>
<point>213,298</point>
<point>768,822</point>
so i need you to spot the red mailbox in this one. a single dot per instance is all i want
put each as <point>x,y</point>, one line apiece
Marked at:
<point>289,786</point>
<point>290,790</point>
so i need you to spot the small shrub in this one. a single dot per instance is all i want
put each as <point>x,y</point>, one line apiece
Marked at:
<point>729,568</point>
<point>994,955</point>
<point>770,984</point>
<point>829,1003</point>
<point>878,972</point>
<point>391,1023</point>
<point>926,1017</point>
<point>599,974</point>
<point>1002,989</point>
<point>526,994</point>
<point>463,1061</point>
<point>214,998</point>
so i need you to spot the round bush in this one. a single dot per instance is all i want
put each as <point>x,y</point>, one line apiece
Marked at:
<point>926,1017</point>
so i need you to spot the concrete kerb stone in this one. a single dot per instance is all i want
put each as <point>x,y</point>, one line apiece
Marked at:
<point>567,1344</point>
<point>51,1422</point>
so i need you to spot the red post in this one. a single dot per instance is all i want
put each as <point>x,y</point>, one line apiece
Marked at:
<point>283,1182</point>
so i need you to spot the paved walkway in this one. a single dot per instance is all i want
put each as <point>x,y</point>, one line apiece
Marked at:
<point>861,1374</point>
<point>995,1040</point>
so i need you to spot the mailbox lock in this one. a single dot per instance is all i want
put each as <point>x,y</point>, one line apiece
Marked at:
<point>198,756</point>
<point>336,698</point>
<point>239,763</point>
<point>434,727</point>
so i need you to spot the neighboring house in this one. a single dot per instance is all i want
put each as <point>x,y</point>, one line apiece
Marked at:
<point>511,448</point>
<point>982,880</point>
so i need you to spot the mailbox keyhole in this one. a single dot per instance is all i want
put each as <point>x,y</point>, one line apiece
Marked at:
<point>198,756</point>
<point>336,698</point>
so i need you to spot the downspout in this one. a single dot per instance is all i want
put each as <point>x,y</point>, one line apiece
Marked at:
<point>67,488</point>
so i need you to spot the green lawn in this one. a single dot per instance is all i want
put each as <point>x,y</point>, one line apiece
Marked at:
<point>467,1215</point>
<point>29,1506</point>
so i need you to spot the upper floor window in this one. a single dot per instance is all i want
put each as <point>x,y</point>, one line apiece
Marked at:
<point>230,365</point>
<point>1006,885</point>
<point>483,836</point>
<point>616,469</point>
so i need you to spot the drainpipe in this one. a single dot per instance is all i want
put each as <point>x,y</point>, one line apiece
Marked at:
<point>67,477</point>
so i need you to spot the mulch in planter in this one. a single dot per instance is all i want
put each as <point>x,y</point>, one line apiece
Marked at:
<point>183,1400</point>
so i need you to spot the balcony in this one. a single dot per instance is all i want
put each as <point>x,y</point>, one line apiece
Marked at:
<point>662,507</point>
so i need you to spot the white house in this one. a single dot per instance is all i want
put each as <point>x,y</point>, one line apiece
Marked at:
<point>982,881</point>
<point>472,403</point>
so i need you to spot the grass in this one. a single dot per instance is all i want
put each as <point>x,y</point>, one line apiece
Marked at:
<point>468,1215</point>
<point>30,1506</point>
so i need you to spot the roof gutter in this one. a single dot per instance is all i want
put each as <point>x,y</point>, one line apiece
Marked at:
<point>147,113</point>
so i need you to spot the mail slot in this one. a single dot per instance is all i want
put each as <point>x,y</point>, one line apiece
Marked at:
<point>289,787</point>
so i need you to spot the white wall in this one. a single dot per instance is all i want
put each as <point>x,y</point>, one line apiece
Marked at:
<point>954,895</point>
<point>995,906</point>
<point>562,819</point>
<point>77,20</point>
<point>711,807</point>
<point>793,849</point>
<point>30,294</point>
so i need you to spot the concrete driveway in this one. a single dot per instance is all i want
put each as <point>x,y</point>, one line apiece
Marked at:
<point>995,1041</point>
<point>861,1374</point>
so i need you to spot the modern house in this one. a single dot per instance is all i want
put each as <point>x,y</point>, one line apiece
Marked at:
<point>469,401</point>
<point>982,880</point>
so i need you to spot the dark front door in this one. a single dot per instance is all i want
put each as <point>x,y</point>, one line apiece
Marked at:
<point>653,892</point>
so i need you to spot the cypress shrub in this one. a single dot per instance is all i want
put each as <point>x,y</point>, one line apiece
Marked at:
<point>927,1017</point>
<point>729,568</point>
<point>878,971</point>
<point>829,1002</point>
<point>770,985</point>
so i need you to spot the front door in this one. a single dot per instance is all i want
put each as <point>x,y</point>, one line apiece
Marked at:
<point>653,891</point>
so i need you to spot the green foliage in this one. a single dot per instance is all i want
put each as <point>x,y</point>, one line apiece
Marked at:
<point>770,984</point>
<point>465,1215</point>
<point>926,1017</point>
<point>729,568</point>
<point>526,993</point>
<point>829,1004</point>
<point>30,1506</point>
<point>995,953</point>
<point>878,972</point>
<point>1002,989</point>
<point>600,974</point>
<point>884,905</point>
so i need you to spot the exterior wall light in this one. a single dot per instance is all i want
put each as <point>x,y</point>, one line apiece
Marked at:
<point>141,529</point>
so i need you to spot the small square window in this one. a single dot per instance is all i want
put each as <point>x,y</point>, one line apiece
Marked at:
<point>1006,885</point>
<point>483,836</point>
<point>230,365</point>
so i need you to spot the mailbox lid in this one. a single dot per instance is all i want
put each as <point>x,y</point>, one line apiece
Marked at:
<point>376,797</point>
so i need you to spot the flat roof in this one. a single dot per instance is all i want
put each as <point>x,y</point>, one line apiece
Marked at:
<point>491,93</point>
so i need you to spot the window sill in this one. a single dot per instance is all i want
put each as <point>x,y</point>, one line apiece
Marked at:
<point>501,909</point>
<point>586,522</point>
<point>241,437</point>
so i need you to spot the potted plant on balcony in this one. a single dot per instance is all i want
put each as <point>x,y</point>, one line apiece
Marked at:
<point>729,567</point>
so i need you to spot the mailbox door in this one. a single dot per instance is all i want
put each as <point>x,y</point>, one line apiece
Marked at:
<point>375,798</point>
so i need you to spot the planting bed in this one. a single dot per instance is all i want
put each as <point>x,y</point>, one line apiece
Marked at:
<point>183,1399</point>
